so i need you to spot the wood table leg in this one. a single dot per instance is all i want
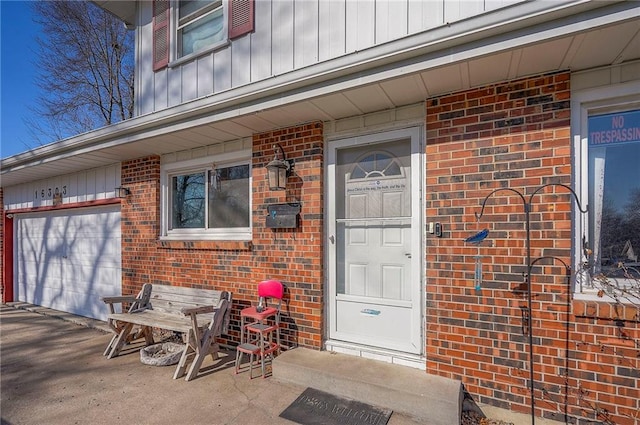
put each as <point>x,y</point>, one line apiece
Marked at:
<point>209,345</point>
<point>189,343</point>
<point>121,340</point>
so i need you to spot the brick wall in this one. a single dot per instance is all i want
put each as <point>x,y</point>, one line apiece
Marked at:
<point>2,245</point>
<point>293,256</point>
<point>140,224</point>
<point>605,343</point>
<point>6,253</point>
<point>514,136</point>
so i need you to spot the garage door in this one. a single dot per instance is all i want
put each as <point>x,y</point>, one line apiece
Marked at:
<point>67,260</point>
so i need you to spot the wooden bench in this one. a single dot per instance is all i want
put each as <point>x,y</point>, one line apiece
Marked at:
<point>200,315</point>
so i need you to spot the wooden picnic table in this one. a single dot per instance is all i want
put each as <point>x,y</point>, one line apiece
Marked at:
<point>200,315</point>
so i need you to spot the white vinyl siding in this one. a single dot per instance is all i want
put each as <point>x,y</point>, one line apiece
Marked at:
<point>289,35</point>
<point>90,185</point>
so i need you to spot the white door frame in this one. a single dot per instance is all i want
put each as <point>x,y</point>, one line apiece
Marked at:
<point>415,134</point>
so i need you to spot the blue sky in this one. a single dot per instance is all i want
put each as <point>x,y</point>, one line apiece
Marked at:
<point>19,90</point>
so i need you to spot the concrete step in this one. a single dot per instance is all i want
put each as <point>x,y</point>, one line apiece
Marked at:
<point>430,399</point>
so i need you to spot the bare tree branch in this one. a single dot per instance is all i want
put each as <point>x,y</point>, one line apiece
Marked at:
<point>85,63</point>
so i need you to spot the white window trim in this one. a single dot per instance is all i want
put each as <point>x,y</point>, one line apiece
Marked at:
<point>586,102</point>
<point>242,157</point>
<point>174,60</point>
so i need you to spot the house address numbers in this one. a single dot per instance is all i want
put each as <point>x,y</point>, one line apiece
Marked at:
<point>50,192</point>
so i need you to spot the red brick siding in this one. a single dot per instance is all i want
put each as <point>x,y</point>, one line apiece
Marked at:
<point>293,256</point>
<point>140,221</point>
<point>2,245</point>
<point>512,135</point>
<point>606,338</point>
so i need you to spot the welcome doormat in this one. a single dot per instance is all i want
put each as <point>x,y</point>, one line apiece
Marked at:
<point>315,407</point>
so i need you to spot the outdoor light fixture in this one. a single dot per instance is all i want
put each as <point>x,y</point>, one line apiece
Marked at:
<point>279,169</point>
<point>122,192</point>
<point>215,180</point>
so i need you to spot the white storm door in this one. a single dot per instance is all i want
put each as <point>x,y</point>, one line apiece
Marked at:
<point>375,241</point>
<point>68,259</point>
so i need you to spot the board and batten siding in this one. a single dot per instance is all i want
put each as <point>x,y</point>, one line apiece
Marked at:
<point>216,150</point>
<point>89,185</point>
<point>289,35</point>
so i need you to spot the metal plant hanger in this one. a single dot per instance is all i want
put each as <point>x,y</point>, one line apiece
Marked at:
<point>530,263</point>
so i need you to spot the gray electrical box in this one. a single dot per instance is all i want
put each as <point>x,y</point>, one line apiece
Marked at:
<point>283,216</point>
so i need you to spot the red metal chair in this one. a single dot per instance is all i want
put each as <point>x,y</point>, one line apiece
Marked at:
<point>258,324</point>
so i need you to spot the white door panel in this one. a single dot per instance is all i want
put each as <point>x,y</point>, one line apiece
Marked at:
<point>367,322</point>
<point>68,259</point>
<point>374,251</point>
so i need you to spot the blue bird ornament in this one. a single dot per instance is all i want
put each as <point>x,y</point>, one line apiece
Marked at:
<point>478,237</point>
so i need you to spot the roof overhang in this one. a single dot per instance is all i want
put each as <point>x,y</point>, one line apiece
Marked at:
<point>125,10</point>
<point>403,72</point>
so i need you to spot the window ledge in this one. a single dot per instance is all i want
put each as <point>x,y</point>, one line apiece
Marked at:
<point>604,309</point>
<point>195,55</point>
<point>206,245</point>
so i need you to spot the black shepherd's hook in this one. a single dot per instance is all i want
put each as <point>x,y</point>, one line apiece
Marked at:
<point>479,216</point>
<point>527,210</point>
<point>524,201</point>
<point>566,267</point>
<point>568,307</point>
<point>575,197</point>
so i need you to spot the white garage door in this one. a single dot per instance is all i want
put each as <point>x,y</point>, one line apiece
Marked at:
<point>67,260</point>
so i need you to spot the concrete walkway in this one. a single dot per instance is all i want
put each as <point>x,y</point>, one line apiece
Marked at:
<point>52,372</point>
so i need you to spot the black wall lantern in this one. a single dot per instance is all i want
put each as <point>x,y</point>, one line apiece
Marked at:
<point>279,169</point>
<point>122,192</point>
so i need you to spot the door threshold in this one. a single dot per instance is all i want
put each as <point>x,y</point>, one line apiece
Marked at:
<point>388,356</point>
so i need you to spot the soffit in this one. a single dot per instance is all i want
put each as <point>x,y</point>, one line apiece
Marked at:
<point>391,86</point>
<point>123,9</point>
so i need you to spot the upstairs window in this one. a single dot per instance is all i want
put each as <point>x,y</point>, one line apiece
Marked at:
<point>197,27</point>
<point>201,25</point>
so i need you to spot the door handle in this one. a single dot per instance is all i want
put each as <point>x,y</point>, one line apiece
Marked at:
<point>332,239</point>
<point>407,254</point>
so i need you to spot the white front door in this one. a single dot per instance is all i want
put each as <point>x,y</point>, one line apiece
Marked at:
<point>375,256</point>
<point>68,259</point>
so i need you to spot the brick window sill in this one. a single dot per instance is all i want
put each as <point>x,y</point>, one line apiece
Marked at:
<point>606,310</point>
<point>206,245</point>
